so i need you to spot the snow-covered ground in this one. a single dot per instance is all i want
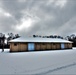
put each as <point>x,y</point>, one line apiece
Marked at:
<point>41,62</point>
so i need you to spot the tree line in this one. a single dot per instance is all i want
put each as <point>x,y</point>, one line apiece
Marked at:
<point>4,38</point>
<point>72,38</point>
<point>49,36</point>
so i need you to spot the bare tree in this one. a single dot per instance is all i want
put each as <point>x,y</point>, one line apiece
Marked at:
<point>2,41</point>
<point>12,36</point>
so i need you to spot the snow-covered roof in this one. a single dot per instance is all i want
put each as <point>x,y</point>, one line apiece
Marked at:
<point>31,39</point>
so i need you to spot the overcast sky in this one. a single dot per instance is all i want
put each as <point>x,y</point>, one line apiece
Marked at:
<point>42,17</point>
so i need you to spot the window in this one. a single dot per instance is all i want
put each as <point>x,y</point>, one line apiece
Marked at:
<point>54,44</point>
<point>15,44</point>
<point>43,43</point>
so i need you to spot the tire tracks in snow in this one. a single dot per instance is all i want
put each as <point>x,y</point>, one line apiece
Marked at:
<point>31,72</point>
<point>56,69</point>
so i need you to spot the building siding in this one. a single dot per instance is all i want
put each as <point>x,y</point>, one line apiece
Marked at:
<point>43,46</point>
<point>48,45</point>
<point>20,47</point>
<point>37,46</point>
<point>14,47</point>
<point>23,47</point>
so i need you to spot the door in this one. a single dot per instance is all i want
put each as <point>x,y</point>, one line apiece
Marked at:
<point>31,47</point>
<point>62,46</point>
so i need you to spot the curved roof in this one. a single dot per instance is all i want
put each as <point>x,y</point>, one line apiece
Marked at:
<point>31,39</point>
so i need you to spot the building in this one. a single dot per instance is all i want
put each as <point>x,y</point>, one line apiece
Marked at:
<point>38,44</point>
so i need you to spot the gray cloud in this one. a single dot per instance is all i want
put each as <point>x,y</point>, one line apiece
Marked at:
<point>49,16</point>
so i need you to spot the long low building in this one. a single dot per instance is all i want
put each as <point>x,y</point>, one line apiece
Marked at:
<point>38,44</point>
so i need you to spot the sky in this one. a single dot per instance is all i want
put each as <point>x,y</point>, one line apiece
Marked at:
<point>39,17</point>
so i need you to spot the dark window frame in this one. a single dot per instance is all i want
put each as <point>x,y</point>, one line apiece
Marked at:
<point>15,44</point>
<point>43,44</point>
<point>54,43</point>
